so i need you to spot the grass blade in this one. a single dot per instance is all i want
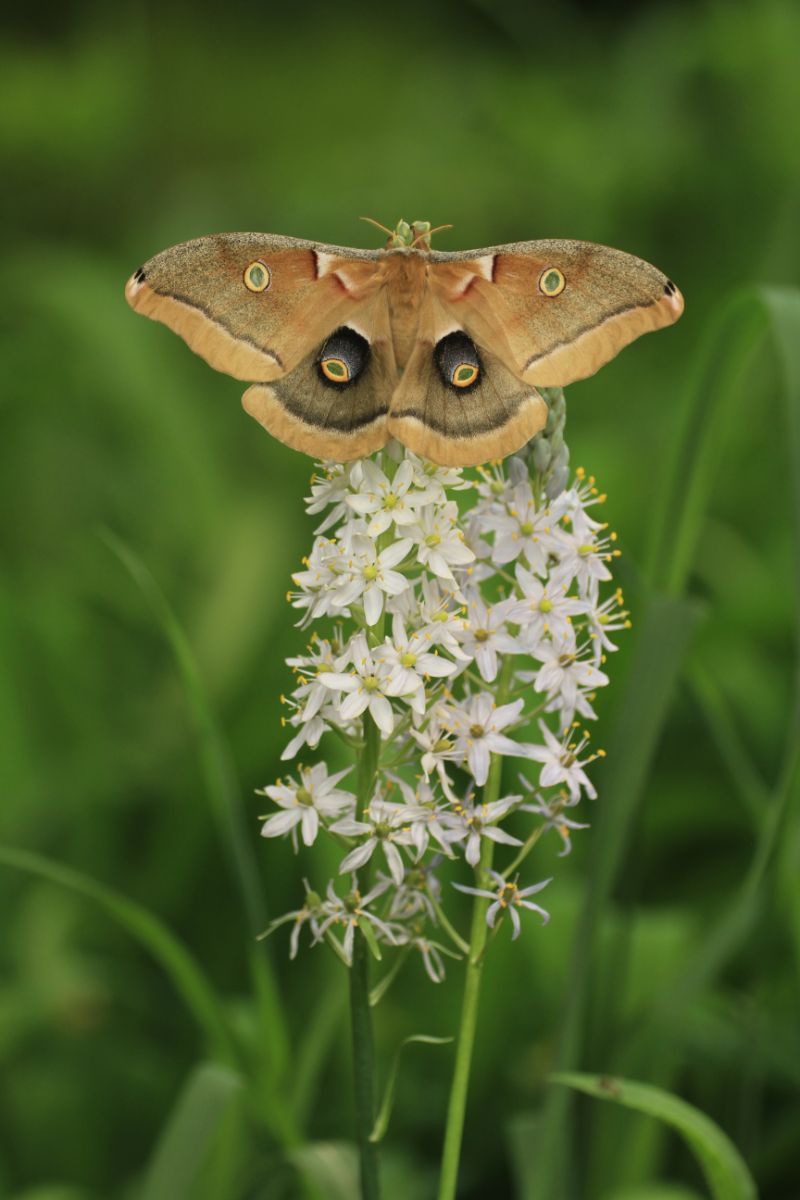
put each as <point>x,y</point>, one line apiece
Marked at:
<point>182,1152</point>
<point>177,962</point>
<point>219,774</point>
<point>724,1168</point>
<point>662,641</point>
<point>224,795</point>
<point>714,390</point>
<point>328,1169</point>
<point>385,1110</point>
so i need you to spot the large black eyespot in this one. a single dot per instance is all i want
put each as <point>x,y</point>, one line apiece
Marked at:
<point>343,357</point>
<point>458,361</point>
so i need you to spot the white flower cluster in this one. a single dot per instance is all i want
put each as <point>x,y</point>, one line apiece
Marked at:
<point>447,639</point>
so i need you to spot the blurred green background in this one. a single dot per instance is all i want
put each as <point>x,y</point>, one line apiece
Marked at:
<point>667,129</point>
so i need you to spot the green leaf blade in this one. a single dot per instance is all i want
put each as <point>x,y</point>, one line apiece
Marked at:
<point>182,1151</point>
<point>724,1168</point>
<point>174,958</point>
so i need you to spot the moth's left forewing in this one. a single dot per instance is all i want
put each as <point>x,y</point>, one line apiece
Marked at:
<point>555,311</point>
<point>303,290</point>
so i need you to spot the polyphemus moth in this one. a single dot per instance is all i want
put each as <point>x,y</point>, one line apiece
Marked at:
<point>346,349</point>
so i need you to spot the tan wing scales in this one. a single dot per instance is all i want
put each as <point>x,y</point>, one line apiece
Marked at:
<point>198,289</point>
<point>608,299</point>
<point>311,413</point>
<point>460,426</point>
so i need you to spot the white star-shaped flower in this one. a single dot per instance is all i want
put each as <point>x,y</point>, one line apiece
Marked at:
<point>562,676</point>
<point>476,729</point>
<point>410,661</point>
<point>604,619</point>
<point>335,911</point>
<point>366,686</point>
<point>316,583</point>
<point>331,487</point>
<point>523,531</point>
<point>303,801</point>
<point>385,825</point>
<point>585,559</point>
<point>368,575</point>
<point>389,501</point>
<point>545,612</point>
<point>507,898</point>
<point>562,763</point>
<point>310,694</point>
<point>480,821</point>
<point>427,817</point>
<point>554,816</point>
<point>440,543</point>
<point>484,634</point>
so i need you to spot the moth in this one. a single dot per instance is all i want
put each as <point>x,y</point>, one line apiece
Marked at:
<point>347,348</point>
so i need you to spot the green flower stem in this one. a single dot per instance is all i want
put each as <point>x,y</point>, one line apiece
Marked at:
<point>456,1109</point>
<point>363,1067</point>
<point>525,851</point>
<point>442,918</point>
<point>360,1016</point>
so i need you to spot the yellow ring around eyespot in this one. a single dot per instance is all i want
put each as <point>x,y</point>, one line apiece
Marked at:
<point>551,282</point>
<point>335,369</point>
<point>463,375</point>
<point>257,276</point>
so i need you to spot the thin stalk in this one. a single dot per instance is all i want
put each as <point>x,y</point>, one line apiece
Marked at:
<point>363,1067</point>
<point>456,1109</point>
<point>444,921</point>
<point>525,851</point>
<point>360,1015</point>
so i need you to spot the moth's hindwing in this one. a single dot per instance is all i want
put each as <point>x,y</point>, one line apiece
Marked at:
<point>333,405</point>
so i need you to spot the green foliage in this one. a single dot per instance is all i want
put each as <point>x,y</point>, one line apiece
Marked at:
<point>723,1167</point>
<point>181,1157</point>
<point>127,694</point>
<point>385,1110</point>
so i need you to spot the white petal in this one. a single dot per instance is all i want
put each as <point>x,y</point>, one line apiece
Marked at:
<point>499,835</point>
<point>394,862</point>
<point>395,553</point>
<point>381,711</point>
<point>478,759</point>
<point>373,604</point>
<point>403,681</point>
<point>506,713</point>
<point>438,565</point>
<point>473,851</point>
<point>363,504</point>
<point>309,823</point>
<point>486,658</point>
<point>350,827</point>
<point>280,823</point>
<point>281,795</point>
<point>435,664</point>
<point>356,858</point>
<point>338,682</point>
<point>354,705</point>
<point>346,593</point>
<point>393,583</point>
<point>403,478</point>
<point>379,524</point>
